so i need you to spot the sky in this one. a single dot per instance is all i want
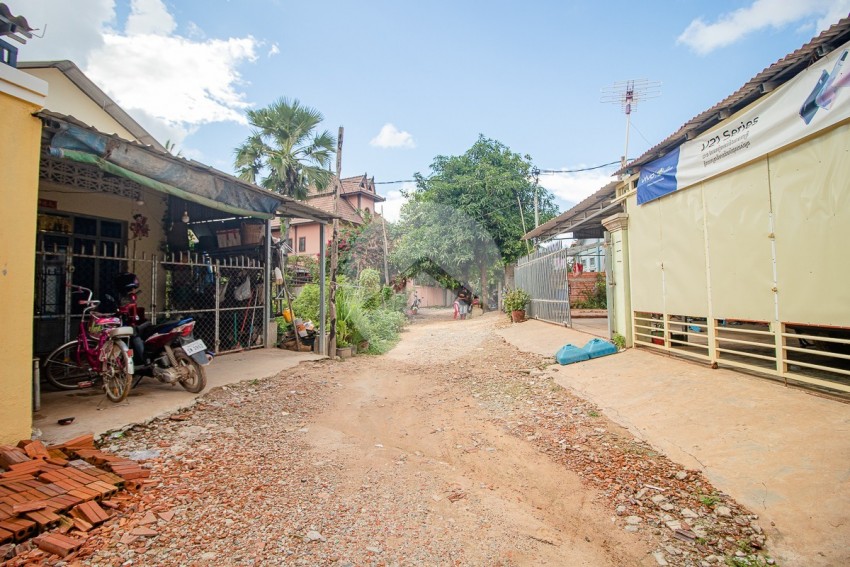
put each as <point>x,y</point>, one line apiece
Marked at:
<point>411,80</point>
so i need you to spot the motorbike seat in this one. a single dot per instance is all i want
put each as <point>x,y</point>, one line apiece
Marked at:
<point>163,327</point>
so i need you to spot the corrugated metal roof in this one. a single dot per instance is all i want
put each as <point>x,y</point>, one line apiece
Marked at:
<point>763,83</point>
<point>585,218</point>
<point>12,26</point>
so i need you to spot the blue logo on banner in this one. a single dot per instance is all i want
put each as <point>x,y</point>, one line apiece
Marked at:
<point>658,178</point>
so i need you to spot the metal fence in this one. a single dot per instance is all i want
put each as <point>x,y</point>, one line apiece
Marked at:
<point>544,276</point>
<point>226,297</point>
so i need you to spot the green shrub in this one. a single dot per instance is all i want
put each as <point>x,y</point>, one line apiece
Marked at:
<point>596,297</point>
<point>382,329</point>
<point>361,314</point>
<point>516,300</point>
<point>306,305</point>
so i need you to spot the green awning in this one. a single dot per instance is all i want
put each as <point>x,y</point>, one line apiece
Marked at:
<point>158,170</point>
<point>109,167</point>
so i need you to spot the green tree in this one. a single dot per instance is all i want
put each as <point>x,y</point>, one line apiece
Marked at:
<point>446,244</point>
<point>284,153</point>
<point>489,184</point>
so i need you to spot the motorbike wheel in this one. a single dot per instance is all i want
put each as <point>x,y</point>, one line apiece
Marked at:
<point>61,370</point>
<point>116,380</point>
<point>196,380</point>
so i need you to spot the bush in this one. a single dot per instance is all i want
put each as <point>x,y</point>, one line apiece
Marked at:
<point>360,312</point>
<point>516,300</point>
<point>382,328</point>
<point>306,305</point>
<point>595,298</point>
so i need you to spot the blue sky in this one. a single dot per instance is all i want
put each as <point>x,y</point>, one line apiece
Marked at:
<point>412,80</point>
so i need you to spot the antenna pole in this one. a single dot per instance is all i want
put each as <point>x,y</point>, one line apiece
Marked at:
<point>627,94</point>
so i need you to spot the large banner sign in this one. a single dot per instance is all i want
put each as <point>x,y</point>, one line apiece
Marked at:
<point>813,100</point>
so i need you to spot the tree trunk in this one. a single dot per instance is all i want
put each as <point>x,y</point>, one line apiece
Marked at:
<point>483,283</point>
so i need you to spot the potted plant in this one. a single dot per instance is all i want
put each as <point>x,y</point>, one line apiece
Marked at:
<point>343,340</point>
<point>515,302</point>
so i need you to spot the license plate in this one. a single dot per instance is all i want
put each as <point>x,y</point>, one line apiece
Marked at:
<point>194,346</point>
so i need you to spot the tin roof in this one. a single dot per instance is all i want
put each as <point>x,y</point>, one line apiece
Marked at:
<point>763,83</point>
<point>585,219</point>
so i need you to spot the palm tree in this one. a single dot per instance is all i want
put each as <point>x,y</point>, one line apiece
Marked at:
<point>284,151</point>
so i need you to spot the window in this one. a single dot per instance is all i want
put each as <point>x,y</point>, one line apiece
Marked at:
<point>98,246</point>
<point>302,243</point>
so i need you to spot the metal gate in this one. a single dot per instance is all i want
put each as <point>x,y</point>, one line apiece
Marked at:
<point>229,312</point>
<point>544,276</point>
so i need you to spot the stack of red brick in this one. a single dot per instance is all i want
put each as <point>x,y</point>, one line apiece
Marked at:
<point>62,486</point>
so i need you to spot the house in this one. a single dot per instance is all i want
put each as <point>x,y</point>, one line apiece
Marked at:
<point>21,95</point>
<point>355,207</point>
<point>725,239</point>
<point>89,193</point>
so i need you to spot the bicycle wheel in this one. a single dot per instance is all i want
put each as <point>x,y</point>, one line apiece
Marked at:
<point>68,369</point>
<point>116,380</point>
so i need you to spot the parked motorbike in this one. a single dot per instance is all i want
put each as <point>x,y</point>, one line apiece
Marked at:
<point>166,351</point>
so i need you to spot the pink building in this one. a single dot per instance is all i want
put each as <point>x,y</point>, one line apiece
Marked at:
<point>357,201</point>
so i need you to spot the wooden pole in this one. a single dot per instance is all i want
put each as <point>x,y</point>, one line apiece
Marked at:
<point>522,218</point>
<point>386,265</point>
<point>335,249</point>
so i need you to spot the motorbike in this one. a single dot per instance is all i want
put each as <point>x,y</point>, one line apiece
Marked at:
<point>169,351</point>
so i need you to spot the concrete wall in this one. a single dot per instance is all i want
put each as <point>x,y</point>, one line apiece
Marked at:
<point>310,232</point>
<point>20,96</point>
<point>431,296</point>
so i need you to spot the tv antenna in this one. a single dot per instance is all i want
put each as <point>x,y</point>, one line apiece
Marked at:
<point>628,94</point>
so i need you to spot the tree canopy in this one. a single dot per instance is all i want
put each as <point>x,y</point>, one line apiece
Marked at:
<point>284,153</point>
<point>473,221</point>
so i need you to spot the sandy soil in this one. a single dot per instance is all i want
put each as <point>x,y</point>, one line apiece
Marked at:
<point>453,449</point>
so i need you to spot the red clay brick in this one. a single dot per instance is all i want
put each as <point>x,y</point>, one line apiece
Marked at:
<point>36,450</point>
<point>29,506</point>
<point>59,544</point>
<point>44,518</point>
<point>20,527</point>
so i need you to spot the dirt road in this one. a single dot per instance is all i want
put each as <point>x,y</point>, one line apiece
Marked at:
<point>453,449</point>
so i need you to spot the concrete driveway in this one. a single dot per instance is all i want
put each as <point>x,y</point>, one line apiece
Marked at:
<point>782,452</point>
<point>93,413</point>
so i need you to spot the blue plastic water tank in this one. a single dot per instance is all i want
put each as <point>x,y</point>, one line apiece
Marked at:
<point>599,347</point>
<point>570,353</point>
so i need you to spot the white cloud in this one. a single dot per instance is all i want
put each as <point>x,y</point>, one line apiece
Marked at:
<point>149,17</point>
<point>574,187</point>
<point>172,79</point>
<point>392,137</point>
<point>730,27</point>
<point>71,29</point>
<point>391,208</point>
<point>273,50</point>
<point>170,83</point>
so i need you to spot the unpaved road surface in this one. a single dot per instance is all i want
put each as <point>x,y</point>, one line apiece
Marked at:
<point>453,449</point>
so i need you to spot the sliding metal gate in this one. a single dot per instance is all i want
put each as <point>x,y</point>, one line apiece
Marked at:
<point>544,276</point>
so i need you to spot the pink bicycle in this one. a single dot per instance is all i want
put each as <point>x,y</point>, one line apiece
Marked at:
<point>100,353</point>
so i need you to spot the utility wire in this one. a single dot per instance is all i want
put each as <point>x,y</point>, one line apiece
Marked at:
<point>547,171</point>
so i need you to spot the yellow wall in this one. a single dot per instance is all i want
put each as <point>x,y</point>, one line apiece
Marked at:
<point>709,251</point>
<point>20,138</point>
